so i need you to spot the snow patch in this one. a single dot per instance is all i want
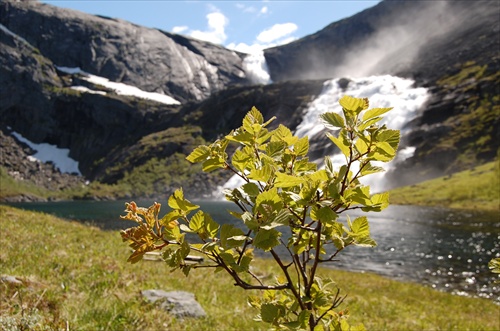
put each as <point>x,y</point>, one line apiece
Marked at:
<point>87,90</point>
<point>120,88</point>
<point>51,153</point>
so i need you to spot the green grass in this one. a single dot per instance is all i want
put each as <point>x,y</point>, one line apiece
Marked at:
<point>75,278</point>
<point>477,188</point>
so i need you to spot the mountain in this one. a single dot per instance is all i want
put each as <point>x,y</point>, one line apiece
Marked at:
<point>130,102</point>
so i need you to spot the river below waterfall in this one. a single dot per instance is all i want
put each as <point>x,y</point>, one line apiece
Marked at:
<point>442,248</point>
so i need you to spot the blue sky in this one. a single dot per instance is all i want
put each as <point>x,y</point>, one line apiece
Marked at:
<point>241,25</point>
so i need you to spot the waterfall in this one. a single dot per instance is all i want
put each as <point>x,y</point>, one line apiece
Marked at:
<point>256,68</point>
<point>382,91</point>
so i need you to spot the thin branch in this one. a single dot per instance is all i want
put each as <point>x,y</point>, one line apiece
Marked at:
<point>312,272</point>
<point>244,247</point>
<point>289,279</point>
<point>255,277</point>
<point>336,302</point>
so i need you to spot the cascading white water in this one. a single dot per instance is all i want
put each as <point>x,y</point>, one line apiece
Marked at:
<point>382,91</point>
<point>256,68</point>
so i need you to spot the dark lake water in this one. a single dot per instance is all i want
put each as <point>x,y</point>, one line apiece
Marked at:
<point>445,249</point>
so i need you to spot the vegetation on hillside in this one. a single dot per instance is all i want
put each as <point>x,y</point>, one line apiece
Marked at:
<point>477,188</point>
<point>473,129</point>
<point>75,278</point>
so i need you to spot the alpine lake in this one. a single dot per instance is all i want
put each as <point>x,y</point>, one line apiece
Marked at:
<point>445,249</point>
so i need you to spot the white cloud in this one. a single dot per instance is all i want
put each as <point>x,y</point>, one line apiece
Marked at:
<point>245,8</point>
<point>264,10</point>
<point>276,32</point>
<point>179,29</point>
<point>215,33</point>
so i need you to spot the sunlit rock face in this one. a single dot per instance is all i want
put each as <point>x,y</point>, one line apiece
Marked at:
<point>153,60</point>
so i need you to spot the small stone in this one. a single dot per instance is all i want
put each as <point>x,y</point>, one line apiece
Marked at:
<point>179,303</point>
<point>11,280</point>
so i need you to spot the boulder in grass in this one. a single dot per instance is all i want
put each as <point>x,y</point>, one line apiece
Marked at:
<point>179,303</point>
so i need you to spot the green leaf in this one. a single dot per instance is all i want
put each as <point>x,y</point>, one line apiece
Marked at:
<point>240,136</point>
<point>251,189</point>
<point>365,242</point>
<point>341,143</point>
<point>360,227</point>
<point>213,164</point>
<point>269,198</point>
<point>284,180</point>
<point>231,236</point>
<point>197,222</point>
<point>361,195</point>
<point>379,202</point>
<point>249,220</point>
<point>386,147</point>
<point>271,312</point>
<point>355,105</point>
<point>240,160</point>
<point>177,201</point>
<point>275,149</point>
<point>370,169</point>
<point>303,165</point>
<point>252,122</point>
<point>361,146</point>
<point>389,136</point>
<point>280,218</point>
<point>267,239</point>
<point>171,216</point>
<point>374,112</point>
<point>281,133</point>
<point>263,174</point>
<point>211,226</point>
<point>301,147</point>
<point>203,224</point>
<point>368,123</point>
<point>199,154</point>
<point>320,176</point>
<point>332,120</point>
<point>326,215</point>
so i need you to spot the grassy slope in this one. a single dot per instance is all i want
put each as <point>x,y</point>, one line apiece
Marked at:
<point>477,188</point>
<point>76,277</point>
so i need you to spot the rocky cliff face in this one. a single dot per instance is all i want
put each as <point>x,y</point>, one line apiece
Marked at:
<point>153,60</point>
<point>121,138</point>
